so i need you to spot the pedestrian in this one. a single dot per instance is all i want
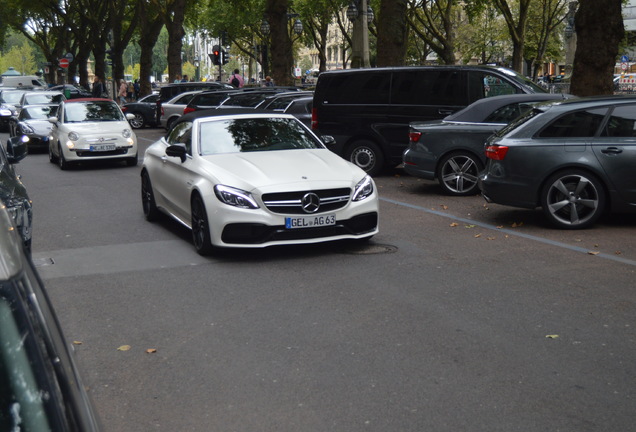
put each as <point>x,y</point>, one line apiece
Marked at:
<point>123,89</point>
<point>177,79</point>
<point>236,79</point>
<point>137,89</point>
<point>98,90</point>
<point>185,78</point>
<point>268,81</point>
<point>130,92</point>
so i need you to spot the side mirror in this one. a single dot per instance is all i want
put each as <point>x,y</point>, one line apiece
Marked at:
<point>53,120</point>
<point>130,116</point>
<point>17,149</point>
<point>177,150</point>
<point>327,140</point>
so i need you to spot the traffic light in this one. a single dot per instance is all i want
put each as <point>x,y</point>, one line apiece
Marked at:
<point>109,55</point>
<point>225,57</point>
<point>224,38</point>
<point>215,55</point>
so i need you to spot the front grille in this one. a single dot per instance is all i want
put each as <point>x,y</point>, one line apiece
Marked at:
<point>251,233</point>
<point>291,202</point>
<point>87,153</point>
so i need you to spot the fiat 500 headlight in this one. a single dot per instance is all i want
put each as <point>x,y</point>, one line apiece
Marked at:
<point>235,197</point>
<point>126,133</point>
<point>73,136</point>
<point>363,189</point>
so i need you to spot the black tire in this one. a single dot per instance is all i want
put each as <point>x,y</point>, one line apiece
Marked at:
<point>458,173</point>
<point>367,155</point>
<point>573,199</point>
<point>169,123</point>
<point>200,226</point>
<point>151,212</point>
<point>132,161</point>
<point>52,157</point>
<point>138,122</point>
<point>61,161</point>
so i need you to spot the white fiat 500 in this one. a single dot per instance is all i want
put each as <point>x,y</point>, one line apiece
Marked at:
<point>254,179</point>
<point>91,129</point>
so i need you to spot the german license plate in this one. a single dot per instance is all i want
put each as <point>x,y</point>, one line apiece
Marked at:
<point>102,147</point>
<point>310,221</point>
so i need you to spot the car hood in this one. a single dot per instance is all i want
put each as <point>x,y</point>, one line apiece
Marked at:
<point>97,128</point>
<point>41,127</point>
<point>296,169</point>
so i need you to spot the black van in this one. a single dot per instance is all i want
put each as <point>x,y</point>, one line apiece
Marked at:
<point>368,111</point>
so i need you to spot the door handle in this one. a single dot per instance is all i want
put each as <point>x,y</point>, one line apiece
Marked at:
<point>611,150</point>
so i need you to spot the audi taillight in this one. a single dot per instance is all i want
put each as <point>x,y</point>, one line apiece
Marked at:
<point>188,110</point>
<point>314,118</point>
<point>496,152</point>
<point>415,136</point>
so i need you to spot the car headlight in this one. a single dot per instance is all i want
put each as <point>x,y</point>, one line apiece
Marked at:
<point>235,197</point>
<point>5,112</point>
<point>126,133</point>
<point>363,189</point>
<point>73,136</point>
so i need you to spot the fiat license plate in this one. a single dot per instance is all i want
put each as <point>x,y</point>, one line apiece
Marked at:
<point>102,147</point>
<point>309,221</point>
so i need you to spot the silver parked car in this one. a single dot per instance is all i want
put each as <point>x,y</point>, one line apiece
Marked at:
<point>574,159</point>
<point>173,109</point>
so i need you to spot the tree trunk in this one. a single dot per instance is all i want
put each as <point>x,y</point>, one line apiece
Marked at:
<point>175,37</point>
<point>281,54</point>
<point>599,30</point>
<point>149,29</point>
<point>392,33</point>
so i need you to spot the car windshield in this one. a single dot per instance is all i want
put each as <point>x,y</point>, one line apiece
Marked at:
<point>38,112</point>
<point>43,98</point>
<point>92,111</point>
<point>12,97</point>
<point>253,135</point>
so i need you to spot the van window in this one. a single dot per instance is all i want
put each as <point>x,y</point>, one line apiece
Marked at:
<point>428,87</point>
<point>483,84</point>
<point>359,88</point>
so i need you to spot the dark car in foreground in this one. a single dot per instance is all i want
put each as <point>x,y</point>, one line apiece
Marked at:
<point>12,192</point>
<point>144,110</point>
<point>40,387</point>
<point>452,150</point>
<point>575,159</point>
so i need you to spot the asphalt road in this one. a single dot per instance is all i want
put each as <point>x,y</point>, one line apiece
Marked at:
<point>458,316</point>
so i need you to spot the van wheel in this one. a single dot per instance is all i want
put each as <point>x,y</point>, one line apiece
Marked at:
<point>367,155</point>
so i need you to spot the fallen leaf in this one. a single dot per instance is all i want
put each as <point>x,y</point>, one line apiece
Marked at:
<point>491,238</point>
<point>500,227</point>
<point>151,350</point>
<point>469,226</point>
<point>592,252</point>
<point>77,342</point>
<point>123,348</point>
<point>552,336</point>
<point>477,235</point>
<point>444,207</point>
<point>516,225</point>
<point>617,253</point>
<point>454,224</point>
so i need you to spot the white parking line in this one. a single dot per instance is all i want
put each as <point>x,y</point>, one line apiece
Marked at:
<point>513,232</point>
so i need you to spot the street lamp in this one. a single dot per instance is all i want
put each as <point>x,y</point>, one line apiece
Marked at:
<point>360,37</point>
